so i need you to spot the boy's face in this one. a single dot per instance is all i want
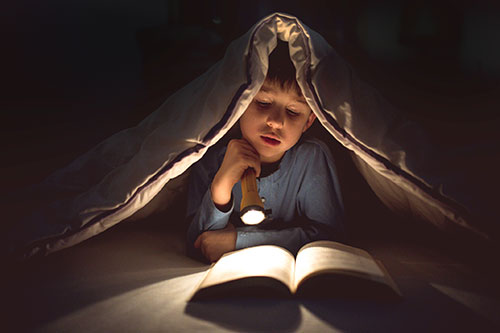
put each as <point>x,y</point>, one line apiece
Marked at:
<point>275,120</point>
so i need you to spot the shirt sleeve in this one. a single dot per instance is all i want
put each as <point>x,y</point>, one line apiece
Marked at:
<point>208,217</point>
<point>291,238</point>
<point>319,198</point>
<point>202,213</point>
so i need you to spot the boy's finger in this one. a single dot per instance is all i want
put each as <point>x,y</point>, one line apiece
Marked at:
<point>197,242</point>
<point>257,169</point>
<point>202,248</point>
<point>249,145</point>
<point>249,151</point>
<point>255,164</point>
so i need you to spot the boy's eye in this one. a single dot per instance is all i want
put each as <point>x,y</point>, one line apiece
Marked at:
<point>292,113</point>
<point>263,104</point>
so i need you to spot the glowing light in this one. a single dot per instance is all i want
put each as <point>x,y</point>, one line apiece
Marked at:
<point>253,216</point>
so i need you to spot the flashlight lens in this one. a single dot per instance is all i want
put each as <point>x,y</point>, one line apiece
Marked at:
<point>253,216</point>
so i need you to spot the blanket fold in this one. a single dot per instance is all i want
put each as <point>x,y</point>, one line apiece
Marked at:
<point>125,172</point>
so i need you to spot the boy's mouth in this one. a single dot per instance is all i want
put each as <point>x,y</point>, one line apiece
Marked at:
<point>270,141</point>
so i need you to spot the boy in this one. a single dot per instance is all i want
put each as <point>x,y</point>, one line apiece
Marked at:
<point>296,177</point>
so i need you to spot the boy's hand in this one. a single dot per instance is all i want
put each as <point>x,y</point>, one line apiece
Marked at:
<point>240,155</point>
<point>214,244</point>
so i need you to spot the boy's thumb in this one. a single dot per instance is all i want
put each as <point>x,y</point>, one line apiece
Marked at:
<point>197,242</point>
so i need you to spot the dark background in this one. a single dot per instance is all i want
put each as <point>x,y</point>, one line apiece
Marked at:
<point>75,72</point>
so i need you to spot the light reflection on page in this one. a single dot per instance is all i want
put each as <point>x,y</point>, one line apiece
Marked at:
<point>328,256</point>
<point>265,260</point>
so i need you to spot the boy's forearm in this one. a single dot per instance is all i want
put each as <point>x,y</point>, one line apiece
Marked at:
<point>292,238</point>
<point>220,192</point>
<point>207,217</point>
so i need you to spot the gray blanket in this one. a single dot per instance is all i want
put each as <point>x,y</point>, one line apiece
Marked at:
<point>122,176</point>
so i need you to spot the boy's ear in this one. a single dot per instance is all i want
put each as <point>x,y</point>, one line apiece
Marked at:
<point>310,121</point>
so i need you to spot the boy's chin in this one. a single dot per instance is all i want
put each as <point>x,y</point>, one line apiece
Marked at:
<point>267,158</point>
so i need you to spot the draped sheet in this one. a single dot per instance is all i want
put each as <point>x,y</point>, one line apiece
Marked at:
<point>125,172</point>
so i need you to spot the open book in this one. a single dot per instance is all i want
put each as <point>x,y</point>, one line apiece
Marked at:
<point>321,269</point>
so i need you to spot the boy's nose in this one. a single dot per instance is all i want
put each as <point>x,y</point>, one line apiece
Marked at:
<point>275,118</point>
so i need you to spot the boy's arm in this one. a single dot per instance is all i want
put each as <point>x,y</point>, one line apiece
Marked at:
<point>291,238</point>
<point>207,217</point>
<point>216,206</point>
<point>202,214</point>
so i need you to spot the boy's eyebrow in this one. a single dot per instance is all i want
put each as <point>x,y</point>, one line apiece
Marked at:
<point>303,101</point>
<point>268,88</point>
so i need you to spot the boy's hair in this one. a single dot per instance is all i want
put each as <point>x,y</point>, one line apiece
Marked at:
<point>281,69</point>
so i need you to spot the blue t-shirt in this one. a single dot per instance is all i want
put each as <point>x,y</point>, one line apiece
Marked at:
<point>303,196</point>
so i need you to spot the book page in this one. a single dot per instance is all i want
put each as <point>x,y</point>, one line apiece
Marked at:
<point>326,256</point>
<point>265,260</point>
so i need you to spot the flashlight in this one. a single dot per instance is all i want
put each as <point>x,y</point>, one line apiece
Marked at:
<point>251,208</point>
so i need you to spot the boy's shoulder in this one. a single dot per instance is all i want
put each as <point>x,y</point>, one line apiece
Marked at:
<point>310,147</point>
<point>309,152</point>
